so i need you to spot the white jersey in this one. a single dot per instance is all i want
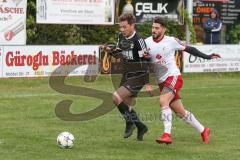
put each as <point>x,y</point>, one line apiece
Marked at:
<point>163,56</point>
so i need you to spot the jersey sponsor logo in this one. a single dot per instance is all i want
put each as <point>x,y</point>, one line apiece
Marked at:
<point>160,60</point>
<point>128,54</point>
<point>126,44</point>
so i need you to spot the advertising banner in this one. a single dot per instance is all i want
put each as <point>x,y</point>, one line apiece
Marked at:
<point>229,61</point>
<point>13,22</point>
<point>40,61</point>
<point>148,9</point>
<point>76,11</point>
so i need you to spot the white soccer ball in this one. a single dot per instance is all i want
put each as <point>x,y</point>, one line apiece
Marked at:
<point>65,140</point>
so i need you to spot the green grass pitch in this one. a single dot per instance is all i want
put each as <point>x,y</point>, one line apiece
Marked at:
<point>29,126</point>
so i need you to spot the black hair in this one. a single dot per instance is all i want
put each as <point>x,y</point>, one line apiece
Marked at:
<point>129,17</point>
<point>160,20</point>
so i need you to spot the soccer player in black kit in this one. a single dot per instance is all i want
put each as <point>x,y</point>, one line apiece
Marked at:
<point>131,48</point>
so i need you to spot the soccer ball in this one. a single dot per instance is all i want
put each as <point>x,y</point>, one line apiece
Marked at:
<point>65,140</point>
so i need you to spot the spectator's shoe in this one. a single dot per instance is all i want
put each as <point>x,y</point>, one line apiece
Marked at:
<point>205,135</point>
<point>164,138</point>
<point>141,131</point>
<point>130,126</point>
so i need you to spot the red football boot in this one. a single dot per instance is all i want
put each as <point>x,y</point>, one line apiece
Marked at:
<point>205,135</point>
<point>164,138</point>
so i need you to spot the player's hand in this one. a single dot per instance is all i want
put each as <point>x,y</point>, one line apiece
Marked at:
<point>105,48</point>
<point>215,55</point>
<point>117,50</point>
<point>149,89</point>
<point>147,56</point>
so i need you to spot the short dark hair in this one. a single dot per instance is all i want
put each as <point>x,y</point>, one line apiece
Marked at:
<point>129,17</point>
<point>159,20</point>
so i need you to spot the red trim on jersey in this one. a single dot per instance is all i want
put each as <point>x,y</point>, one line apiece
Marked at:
<point>158,40</point>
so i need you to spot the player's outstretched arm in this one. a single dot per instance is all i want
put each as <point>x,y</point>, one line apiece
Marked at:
<point>194,51</point>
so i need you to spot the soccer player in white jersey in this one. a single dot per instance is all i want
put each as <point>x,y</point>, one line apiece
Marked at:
<point>162,49</point>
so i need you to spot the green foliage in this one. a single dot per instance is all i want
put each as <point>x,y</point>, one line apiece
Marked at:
<point>189,23</point>
<point>144,29</point>
<point>173,29</point>
<point>31,25</point>
<point>235,34</point>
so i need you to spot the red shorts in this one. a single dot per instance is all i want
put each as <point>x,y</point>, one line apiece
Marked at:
<point>174,83</point>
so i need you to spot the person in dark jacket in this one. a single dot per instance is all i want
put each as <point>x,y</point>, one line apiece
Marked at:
<point>213,28</point>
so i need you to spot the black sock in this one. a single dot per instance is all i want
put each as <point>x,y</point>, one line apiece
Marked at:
<point>130,116</point>
<point>124,110</point>
<point>135,119</point>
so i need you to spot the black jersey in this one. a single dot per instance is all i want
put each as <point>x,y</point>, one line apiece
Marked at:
<point>132,48</point>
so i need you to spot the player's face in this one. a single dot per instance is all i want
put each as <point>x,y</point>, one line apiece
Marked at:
<point>213,15</point>
<point>157,30</point>
<point>126,29</point>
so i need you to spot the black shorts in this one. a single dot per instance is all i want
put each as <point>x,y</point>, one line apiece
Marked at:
<point>134,81</point>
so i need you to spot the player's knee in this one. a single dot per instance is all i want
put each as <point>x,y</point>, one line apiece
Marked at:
<point>163,102</point>
<point>116,98</point>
